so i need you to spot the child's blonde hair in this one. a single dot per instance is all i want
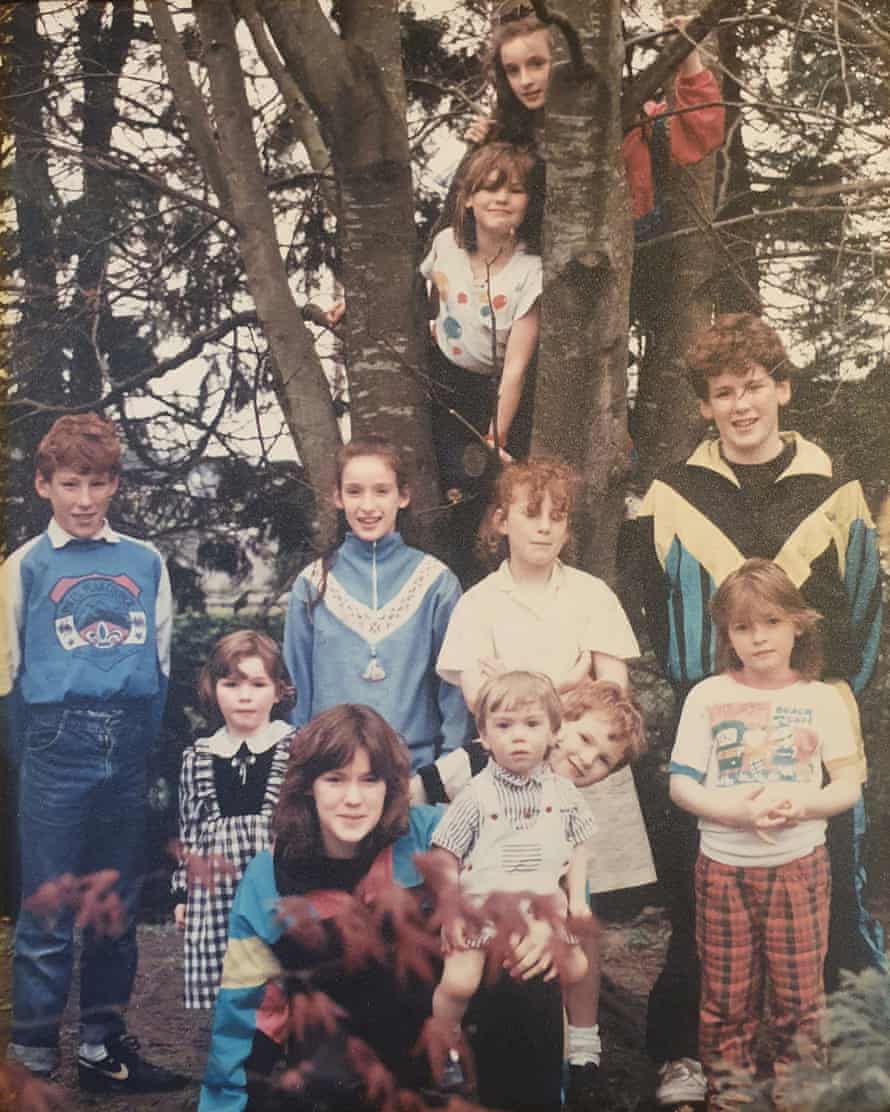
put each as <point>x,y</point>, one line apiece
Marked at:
<point>757,587</point>
<point>538,476</point>
<point>610,700</point>
<point>227,654</point>
<point>512,690</point>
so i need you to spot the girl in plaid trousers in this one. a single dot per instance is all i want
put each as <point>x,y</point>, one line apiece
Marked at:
<point>229,787</point>
<point>748,761</point>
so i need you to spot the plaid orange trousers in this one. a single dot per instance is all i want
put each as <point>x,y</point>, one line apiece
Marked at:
<point>762,934</point>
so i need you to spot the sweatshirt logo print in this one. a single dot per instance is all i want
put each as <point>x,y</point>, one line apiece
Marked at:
<point>100,614</point>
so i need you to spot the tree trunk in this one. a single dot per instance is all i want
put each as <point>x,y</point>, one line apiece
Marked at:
<point>738,287</point>
<point>300,382</point>
<point>37,353</point>
<point>355,87</point>
<point>667,424</point>
<point>580,406</point>
<point>101,57</point>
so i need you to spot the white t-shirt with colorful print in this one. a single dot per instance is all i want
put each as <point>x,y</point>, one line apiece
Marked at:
<point>731,735</point>
<point>463,326</point>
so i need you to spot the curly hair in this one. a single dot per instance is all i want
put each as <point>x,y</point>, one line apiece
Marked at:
<point>734,343</point>
<point>331,741</point>
<point>534,477</point>
<point>225,657</point>
<point>610,700</point>
<point>757,588</point>
<point>490,167</point>
<point>83,442</point>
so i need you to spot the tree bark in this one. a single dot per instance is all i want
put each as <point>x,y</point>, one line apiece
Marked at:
<point>300,382</point>
<point>36,350</point>
<point>580,407</point>
<point>101,54</point>
<point>667,424</point>
<point>355,88</point>
<point>738,287</point>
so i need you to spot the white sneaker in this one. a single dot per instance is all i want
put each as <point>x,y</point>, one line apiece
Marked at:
<point>683,1080</point>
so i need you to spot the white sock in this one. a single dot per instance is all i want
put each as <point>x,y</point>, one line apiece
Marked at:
<point>584,1045</point>
<point>92,1052</point>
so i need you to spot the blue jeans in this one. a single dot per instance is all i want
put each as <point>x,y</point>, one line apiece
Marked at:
<point>82,795</point>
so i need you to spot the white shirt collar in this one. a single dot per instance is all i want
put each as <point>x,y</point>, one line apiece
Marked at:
<point>508,584</point>
<point>226,745</point>
<point>59,537</point>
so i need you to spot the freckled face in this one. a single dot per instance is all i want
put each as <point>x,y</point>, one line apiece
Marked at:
<point>526,62</point>
<point>587,749</point>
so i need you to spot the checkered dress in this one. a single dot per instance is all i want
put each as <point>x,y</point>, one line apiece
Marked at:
<point>205,830</point>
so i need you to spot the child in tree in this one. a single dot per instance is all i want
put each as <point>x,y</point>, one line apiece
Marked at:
<point>89,614</point>
<point>228,789</point>
<point>537,614</point>
<point>516,827</point>
<point>762,876</point>
<point>519,62</point>
<point>485,275</point>
<point>366,621</point>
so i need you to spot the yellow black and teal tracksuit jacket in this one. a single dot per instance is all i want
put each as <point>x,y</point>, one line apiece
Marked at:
<point>697,524</point>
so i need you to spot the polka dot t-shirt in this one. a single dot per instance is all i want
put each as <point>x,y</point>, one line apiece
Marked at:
<point>463,326</point>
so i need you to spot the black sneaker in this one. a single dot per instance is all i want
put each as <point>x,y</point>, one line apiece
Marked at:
<point>123,1070</point>
<point>583,1088</point>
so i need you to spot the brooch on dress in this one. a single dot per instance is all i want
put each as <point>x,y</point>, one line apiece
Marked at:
<point>242,761</point>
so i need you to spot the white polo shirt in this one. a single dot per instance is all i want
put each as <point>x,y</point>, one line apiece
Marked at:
<point>543,633</point>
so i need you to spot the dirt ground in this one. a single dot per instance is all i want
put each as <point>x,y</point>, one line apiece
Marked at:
<point>173,1037</point>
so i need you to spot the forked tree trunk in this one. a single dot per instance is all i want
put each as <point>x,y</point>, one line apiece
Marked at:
<point>355,86</point>
<point>580,405</point>
<point>667,421</point>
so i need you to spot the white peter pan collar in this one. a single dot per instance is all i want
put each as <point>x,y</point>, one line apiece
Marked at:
<point>226,745</point>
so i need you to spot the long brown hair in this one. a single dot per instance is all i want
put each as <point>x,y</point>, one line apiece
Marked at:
<point>513,121</point>
<point>757,587</point>
<point>372,444</point>
<point>331,741</point>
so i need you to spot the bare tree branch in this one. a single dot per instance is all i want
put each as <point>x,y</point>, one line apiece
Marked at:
<point>188,98</point>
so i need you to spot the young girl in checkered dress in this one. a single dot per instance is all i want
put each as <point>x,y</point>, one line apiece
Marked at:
<point>748,761</point>
<point>229,787</point>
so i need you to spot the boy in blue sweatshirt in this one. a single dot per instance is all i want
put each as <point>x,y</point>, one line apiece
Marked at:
<point>87,641</point>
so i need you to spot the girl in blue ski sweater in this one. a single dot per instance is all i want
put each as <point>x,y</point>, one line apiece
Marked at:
<point>366,621</point>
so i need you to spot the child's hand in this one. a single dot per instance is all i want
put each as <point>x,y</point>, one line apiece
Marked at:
<point>692,63</point>
<point>478,130</point>
<point>454,934</point>
<point>504,455</point>
<point>579,670</point>
<point>491,666</point>
<point>179,916</point>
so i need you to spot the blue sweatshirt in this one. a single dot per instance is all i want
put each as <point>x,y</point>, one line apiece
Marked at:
<point>374,639</point>
<point>88,620</point>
